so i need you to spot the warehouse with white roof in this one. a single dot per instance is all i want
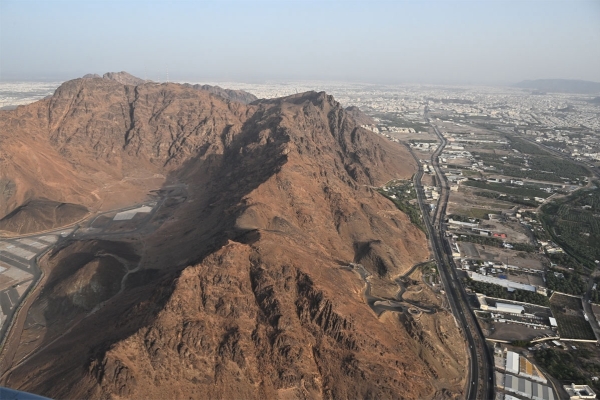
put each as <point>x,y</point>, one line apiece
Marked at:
<point>512,362</point>
<point>526,388</point>
<point>510,285</point>
<point>510,308</point>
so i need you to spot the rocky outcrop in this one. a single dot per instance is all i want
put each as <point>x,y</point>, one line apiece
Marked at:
<point>359,116</point>
<point>228,94</point>
<point>124,78</point>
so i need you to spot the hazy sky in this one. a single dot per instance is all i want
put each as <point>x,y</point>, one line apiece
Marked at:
<point>492,42</point>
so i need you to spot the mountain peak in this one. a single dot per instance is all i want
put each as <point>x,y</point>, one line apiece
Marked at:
<point>124,77</point>
<point>240,96</point>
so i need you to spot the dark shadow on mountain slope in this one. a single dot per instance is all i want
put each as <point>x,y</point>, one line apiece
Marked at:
<point>217,184</point>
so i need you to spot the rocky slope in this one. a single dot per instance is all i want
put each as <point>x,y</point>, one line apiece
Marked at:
<point>228,94</point>
<point>124,78</point>
<point>41,215</point>
<point>240,292</point>
<point>359,116</point>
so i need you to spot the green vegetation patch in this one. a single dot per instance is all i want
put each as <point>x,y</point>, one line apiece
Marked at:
<point>574,223</point>
<point>565,282</point>
<point>538,165</point>
<point>513,199</point>
<point>564,260</point>
<point>462,218</point>
<point>500,292</point>
<point>396,119</point>
<point>562,168</point>
<point>560,364</point>
<point>525,147</point>
<point>495,242</point>
<point>568,312</point>
<point>572,366</point>
<point>491,158</point>
<point>515,190</point>
<point>401,193</point>
<point>480,213</point>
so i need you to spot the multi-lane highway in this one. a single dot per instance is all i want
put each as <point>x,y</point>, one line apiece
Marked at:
<point>480,380</point>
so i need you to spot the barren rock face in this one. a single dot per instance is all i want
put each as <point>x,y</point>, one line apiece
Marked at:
<point>240,292</point>
<point>239,96</point>
<point>121,77</point>
<point>360,117</point>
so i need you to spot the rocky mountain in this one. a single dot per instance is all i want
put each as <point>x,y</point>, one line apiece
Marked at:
<point>239,287</point>
<point>124,78</point>
<point>561,86</point>
<point>228,94</point>
<point>359,116</point>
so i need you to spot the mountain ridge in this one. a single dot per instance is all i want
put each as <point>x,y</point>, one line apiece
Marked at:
<point>240,290</point>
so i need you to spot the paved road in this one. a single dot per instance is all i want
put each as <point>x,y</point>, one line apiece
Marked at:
<point>480,379</point>
<point>12,331</point>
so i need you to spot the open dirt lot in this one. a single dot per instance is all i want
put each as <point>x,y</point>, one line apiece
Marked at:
<point>428,180</point>
<point>528,279</point>
<point>414,136</point>
<point>468,250</point>
<point>520,259</point>
<point>462,201</point>
<point>515,232</point>
<point>507,331</point>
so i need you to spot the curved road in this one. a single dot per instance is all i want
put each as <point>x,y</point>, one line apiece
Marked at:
<point>10,340</point>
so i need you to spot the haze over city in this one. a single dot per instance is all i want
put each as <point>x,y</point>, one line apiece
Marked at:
<point>439,42</point>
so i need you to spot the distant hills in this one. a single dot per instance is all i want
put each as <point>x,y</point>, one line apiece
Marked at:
<point>560,85</point>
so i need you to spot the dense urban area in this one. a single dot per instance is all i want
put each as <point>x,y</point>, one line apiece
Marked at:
<point>508,194</point>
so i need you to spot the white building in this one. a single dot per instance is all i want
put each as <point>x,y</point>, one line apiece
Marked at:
<point>528,389</point>
<point>577,392</point>
<point>512,362</point>
<point>510,308</point>
<point>510,285</point>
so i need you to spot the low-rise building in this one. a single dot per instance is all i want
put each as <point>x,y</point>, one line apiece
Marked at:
<point>526,388</point>
<point>577,392</point>
<point>510,285</point>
